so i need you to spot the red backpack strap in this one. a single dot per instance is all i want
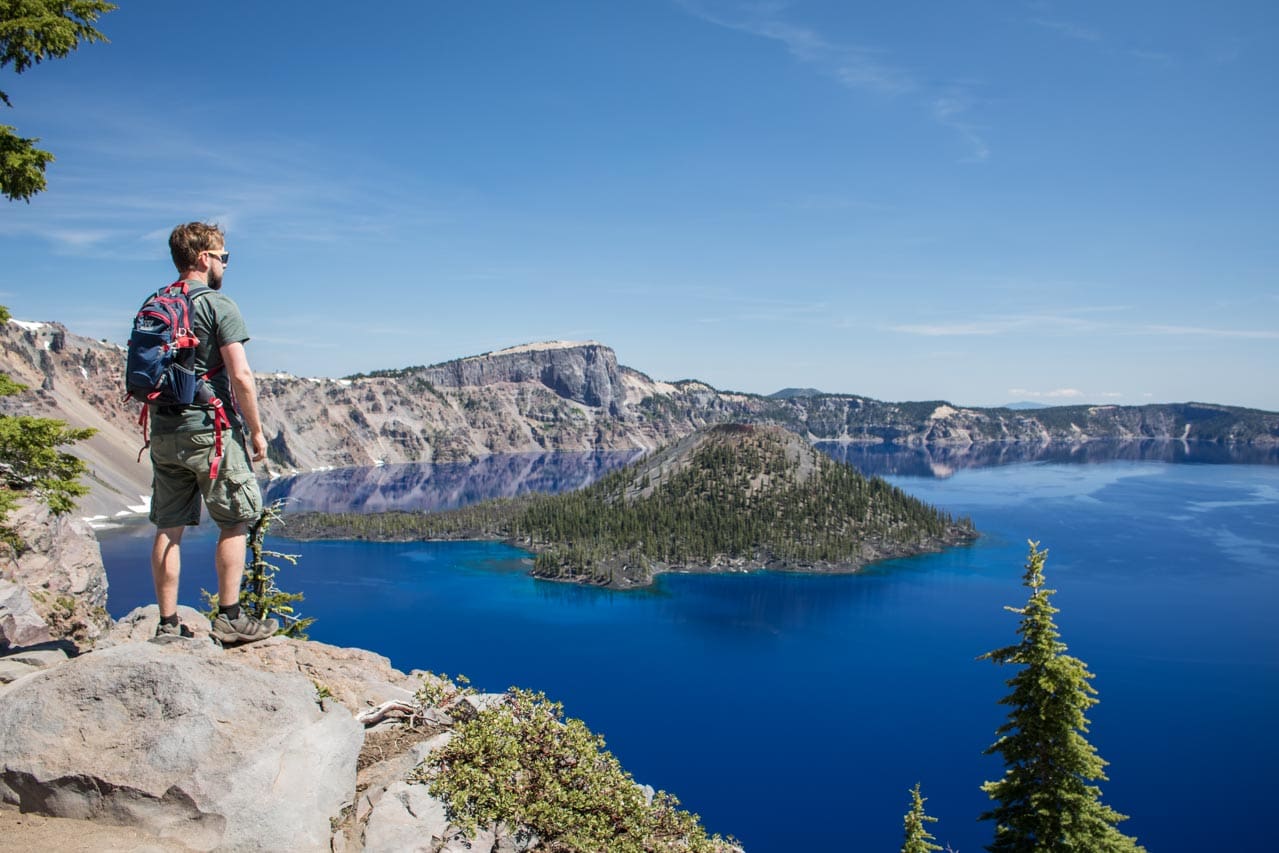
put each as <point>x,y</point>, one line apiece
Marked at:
<point>146,435</point>
<point>220,422</point>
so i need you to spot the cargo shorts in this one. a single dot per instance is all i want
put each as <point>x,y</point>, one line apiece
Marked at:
<point>180,480</point>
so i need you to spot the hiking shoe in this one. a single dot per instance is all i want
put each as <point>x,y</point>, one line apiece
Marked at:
<point>166,633</point>
<point>246,629</point>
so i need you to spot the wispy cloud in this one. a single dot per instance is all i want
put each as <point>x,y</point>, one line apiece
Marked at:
<point>951,110</point>
<point>283,188</point>
<point>1002,324</point>
<point>1072,324</point>
<point>1055,394</point>
<point>1204,332</point>
<point>1075,31</point>
<point>855,66</point>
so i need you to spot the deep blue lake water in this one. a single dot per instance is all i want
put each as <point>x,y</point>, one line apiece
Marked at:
<point>795,712</point>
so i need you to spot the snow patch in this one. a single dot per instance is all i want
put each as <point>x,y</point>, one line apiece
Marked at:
<point>27,324</point>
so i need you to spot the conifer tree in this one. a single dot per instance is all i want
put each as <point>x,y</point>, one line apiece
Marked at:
<point>32,31</point>
<point>1046,802</point>
<point>259,594</point>
<point>918,838</point>
<point>30,461</point>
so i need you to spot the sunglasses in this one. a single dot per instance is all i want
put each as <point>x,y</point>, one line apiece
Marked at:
<point>224,257</point>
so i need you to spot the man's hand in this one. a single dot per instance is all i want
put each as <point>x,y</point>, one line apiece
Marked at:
<point>259,446</point>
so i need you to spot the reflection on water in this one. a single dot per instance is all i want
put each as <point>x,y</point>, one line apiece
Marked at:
<point>446,486</point>
<point>451,485</point>
<point>943,461</point>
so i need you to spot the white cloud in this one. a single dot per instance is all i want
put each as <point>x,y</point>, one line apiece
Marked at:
<point>1002,324</point>
<point>1204,332</point>
<point>1056,394</point>
<point>1070,323</point>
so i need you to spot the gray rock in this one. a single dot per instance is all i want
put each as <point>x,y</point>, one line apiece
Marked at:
<point>20,622</point>
<point>407,818</point>
<point>12,670</point>
<point>354,677</point>
<point>181,742</point>
<point>40,657</point>
<point>377,778</point>
<point>468,706</point>
<point>62,570</point>
<point>139,625</point>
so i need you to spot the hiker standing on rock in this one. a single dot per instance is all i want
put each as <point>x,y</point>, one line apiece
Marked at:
<point>193,457</point>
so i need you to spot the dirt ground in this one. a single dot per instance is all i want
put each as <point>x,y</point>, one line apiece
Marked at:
<point>32,833</point>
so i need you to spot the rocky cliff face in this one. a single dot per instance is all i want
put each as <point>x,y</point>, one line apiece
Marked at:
<point>541,397</point>
<point>54,587</point>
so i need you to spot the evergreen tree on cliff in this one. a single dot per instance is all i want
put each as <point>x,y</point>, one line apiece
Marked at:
<point>918,838</point>
<point>1046,802</point>
<point>30,462</point>
<point>32,31</point>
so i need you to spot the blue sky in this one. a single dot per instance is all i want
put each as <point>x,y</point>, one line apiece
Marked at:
<point>974,201</point>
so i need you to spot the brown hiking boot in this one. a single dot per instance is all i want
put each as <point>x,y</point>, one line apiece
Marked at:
<point>246,629</point>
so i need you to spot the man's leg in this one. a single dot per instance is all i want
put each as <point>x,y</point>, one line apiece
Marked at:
<point>228,560</point>
<point>233,501</point>
<point>166,568</point>
<point>231,625</point>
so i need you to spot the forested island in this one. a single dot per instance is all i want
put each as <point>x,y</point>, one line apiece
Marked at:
<point>734,497</point>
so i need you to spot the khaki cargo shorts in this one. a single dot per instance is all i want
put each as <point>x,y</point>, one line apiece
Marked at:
<point>180,466</point>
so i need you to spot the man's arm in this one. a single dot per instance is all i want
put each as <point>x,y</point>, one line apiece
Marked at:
<point>238,371</point>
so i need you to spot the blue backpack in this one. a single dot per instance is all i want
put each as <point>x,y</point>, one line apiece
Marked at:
<point>159,367</point>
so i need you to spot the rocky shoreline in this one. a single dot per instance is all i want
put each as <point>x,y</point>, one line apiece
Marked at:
<point>112,739</point>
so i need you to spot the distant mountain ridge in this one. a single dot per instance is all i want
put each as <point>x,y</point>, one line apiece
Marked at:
<point>536,398</point>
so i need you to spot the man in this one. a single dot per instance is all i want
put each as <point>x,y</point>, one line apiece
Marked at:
<point>183,444</point>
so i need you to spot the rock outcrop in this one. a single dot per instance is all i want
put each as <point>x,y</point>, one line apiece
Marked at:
<point>54,587</point>
<point>194,747</point>
<point>181,741</point>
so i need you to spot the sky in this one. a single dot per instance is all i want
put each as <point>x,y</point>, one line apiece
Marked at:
<point>981,201</point>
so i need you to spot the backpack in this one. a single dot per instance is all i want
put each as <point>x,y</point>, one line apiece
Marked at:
<point>159,366</point>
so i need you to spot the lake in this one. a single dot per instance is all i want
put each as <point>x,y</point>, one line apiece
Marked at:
<point>795,711</point>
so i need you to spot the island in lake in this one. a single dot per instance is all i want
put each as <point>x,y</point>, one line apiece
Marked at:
<point>734,497</point>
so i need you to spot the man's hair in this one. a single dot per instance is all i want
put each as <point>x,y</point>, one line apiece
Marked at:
<point>188,241</point>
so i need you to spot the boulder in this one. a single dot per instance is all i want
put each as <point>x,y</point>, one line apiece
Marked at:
<point>12,670</point>
<point>407,818</point>
<point>181,741</point>
<point>61,568</point>
<point>20,622</point>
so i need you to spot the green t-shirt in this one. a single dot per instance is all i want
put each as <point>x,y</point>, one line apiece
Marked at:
<point>216,322</point>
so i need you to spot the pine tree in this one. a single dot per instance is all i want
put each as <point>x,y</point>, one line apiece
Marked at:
<point>32,31</point>
<point>259,594</point>
<point>918,838</point>
<point>31,463</point>
<point>1045,803</point>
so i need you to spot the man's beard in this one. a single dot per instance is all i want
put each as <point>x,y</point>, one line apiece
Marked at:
<point>214,279</point>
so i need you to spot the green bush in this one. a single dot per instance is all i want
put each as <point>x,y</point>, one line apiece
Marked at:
<point>523,763</point>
